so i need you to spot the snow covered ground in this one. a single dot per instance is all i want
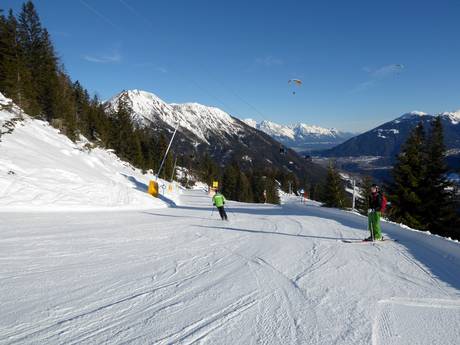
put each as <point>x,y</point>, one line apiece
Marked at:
<point>179,275</point>
<point>42,170</point>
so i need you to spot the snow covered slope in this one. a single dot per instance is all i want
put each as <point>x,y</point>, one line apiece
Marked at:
<point>271,275</point>
<point>41,169</point>
<point>301,136</point>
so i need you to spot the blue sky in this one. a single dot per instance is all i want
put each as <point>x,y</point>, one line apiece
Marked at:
<point>361,62</point>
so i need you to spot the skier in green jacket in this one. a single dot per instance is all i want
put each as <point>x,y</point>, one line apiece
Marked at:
<point>218,200</point>
<point>377,204</point>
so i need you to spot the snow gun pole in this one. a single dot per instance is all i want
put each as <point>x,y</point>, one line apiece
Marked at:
<point>167,150</point>
<point>174,169</point>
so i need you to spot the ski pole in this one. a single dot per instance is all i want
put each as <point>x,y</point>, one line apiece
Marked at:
<point>372,226</point>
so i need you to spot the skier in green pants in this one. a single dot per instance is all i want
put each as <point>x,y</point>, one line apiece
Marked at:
<point>377,204</point>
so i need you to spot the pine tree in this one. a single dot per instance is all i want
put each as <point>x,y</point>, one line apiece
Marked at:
<point>333,190</point>
<point>229,182</point>
<point>100,129</point>
<point>243,188</point>
<point>123,140</point>
<point>168,168</point>
<point>437,209</point>
<point>271,187</point>
<point>208,170</point>
<point>406,193</point>
<point>315,192</point>
<point>65,106</point>
<point>362,203</point>
<point>15,78</point>
<point>40,59</point>
<point>168,164</point>
<point>258,187</point>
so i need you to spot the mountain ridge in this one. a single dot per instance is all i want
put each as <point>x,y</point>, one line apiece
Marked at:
<point>204,129</point>
<point>301,136</point>
<point>386,140</point>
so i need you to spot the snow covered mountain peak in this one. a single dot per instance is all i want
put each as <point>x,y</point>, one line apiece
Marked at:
<point>411,115</point>
<point>304,129</point>
<point>292,130</point>
<point>300,135</point>
<point>199,119</point>
<point>453,116</point>
<point>250,122</point>
<point>276,130</point>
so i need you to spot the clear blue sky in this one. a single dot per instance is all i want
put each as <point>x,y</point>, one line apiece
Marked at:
<point>362,62</point>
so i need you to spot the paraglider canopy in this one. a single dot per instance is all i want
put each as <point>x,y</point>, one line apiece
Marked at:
<point>296,82</point>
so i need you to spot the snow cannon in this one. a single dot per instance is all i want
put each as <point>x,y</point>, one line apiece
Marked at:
<point>153,188</point>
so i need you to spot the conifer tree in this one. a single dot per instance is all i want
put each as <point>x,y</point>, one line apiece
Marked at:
<point>40,59</point>
<point>406,193</point>
<point>437,204</point>
<point>271,187</point>
<point>65,106</point>
<point>315,192</point>
<point>362,203</point>
<point>258,187</point>
<point>334,190</point>
<point>15,78</point>
<point>208,170</point>
<point>229,182</point>
<point>122,138</point>
<point>243,188</point>
<point>168,165</point>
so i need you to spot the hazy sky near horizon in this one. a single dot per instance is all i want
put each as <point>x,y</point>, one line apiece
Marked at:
<point>361,62</point>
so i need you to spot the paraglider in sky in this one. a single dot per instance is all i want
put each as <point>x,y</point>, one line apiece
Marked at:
<point>295,83</point>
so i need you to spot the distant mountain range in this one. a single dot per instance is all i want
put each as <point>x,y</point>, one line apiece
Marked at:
<point>386,140</point>
<point>374,152</point>
<point>204,129</point>
<point>300,136</point>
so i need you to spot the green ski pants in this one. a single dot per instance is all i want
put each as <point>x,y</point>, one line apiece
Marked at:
<point>374,224</point>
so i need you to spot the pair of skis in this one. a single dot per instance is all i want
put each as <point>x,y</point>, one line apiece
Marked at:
<point>367,241</point>
<point>371,239</point>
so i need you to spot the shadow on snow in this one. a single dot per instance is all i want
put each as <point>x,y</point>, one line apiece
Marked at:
<point>440,256</point>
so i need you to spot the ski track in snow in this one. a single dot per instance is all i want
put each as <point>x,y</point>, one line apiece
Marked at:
<point>271,275</point>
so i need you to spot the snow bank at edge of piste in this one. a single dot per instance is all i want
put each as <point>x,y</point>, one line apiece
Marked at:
<point>42,170</point>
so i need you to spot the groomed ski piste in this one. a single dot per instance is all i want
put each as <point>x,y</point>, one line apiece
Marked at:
<point>80,267</point>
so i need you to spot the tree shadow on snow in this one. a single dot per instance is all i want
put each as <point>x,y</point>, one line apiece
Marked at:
<point>276,233</point>
<point>141,186</point>
<point>174,216</point>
